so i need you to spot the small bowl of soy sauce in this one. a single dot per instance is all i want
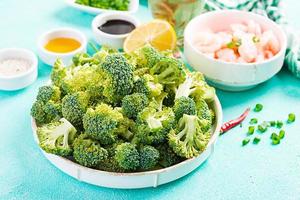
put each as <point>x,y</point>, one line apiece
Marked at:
<point>111,29</point>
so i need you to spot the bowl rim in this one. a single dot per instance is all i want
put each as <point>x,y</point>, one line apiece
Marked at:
<point>80,35</point>
<point>112,15</point>
<point>31,57</point>
<point>237,12</point>
<point>133,7</point>
<point>215,135</point>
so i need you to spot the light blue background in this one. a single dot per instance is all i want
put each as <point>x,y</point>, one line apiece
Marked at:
<point>232,172</point>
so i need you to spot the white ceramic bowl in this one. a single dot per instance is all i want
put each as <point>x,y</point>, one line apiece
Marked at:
<point>22,80</point>
<point>49,57</point>
<point>232,76</point>
<point>111,40</point>
<point>133,7</point>
<point>138,179</point>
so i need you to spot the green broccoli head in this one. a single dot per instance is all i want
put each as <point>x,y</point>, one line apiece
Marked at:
<point>57,137</point>
<point>48,92</point>
<point>58,73</point>
<point>88,152</point>
<point>74,106</point>
<point>147,57</point>
<point>169,71</point>
<point>44,113</point>
<point>153,126</point>
<point>204,113</point>
<point>102,123</point>
<point>133,104</point>
<point>148,86</point>
<point>127,156</point>
<point>184,105</point>
<point>167,156</point>
<point>195,86</point>
<point>117,77</point>
<point>188,140</point>
<point>149,157</point>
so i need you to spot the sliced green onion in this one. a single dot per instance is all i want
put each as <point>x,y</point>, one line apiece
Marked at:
<point>256,140</point>
<point>274,136</point>
<point>291,118</point>
<point>262,127</point>
<point>251,130</point>
<point>253,121</point>
<point>258,107</point>
<point>281,134</point>
<point>275,141</point>
<point>255,39</point>
<point>279,124</point>
<point>245,141</point>
<point>272,123</point>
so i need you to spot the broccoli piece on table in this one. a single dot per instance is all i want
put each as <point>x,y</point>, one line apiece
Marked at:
<point>117,77</point>
<point>133,104</point>
<point>74,106</point>
<point>88,152</point>
<point>195,86</point>
<point>188,140</point>
<point>44,113</point>
<point>167,157</point>
<point>102,123</point>
<point>149,157</point>
<point>148,86</point>
<point>184,105</point>
<point>57,137</point>
<point>169,71</point>
<point>47,93</point>
<point>127,156</point>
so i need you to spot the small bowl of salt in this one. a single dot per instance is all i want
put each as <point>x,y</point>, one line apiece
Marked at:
<point>18,68</point>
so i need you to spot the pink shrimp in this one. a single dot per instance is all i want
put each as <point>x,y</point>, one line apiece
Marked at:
<point>238,27</point>
<point>254,28</point>
<point>269,41</point>
<point>247,49</point>
<point>208,42</point>
<point>226,55</point>
<point>225,37</point>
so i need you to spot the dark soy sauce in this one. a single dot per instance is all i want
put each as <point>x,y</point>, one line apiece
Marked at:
<point>117,27</point>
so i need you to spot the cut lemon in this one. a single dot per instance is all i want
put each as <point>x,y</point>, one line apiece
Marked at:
<point>160,34</point>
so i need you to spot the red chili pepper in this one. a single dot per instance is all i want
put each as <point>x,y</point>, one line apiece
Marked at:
<point>232,123</point>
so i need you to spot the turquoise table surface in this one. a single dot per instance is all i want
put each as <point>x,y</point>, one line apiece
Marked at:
<point>233,172</point>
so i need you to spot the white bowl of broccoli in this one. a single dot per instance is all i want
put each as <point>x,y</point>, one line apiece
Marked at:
<point>126,120</point>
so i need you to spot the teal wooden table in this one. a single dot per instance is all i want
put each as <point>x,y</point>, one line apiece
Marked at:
<point>233,172</point>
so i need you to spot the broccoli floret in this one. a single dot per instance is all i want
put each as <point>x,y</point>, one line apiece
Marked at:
<point>127,156</point>
<point>169,71</point>
<point>148,157</point>
<point>74,106</point>
<point>147,57</point>
<point>148,86</point>
<point>167,156</point>
<point>48,92</point>
<point>44,113</point>
<point>117,77</point>
<point>188,140</point>
<point>170,98</point>
<point>205,114</point>
<point>58,73</point>
<point>152,127</point>
<point>125,128</point>
<point>195,86</point>
<point>133,104</point>
<point>81,78</point>
<point>102,123</point>
<point>57,137</point>
<point>88,152</point>
<point>184,105</point>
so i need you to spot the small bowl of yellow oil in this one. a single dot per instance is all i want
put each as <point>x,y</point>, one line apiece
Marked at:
<point>61,43</point>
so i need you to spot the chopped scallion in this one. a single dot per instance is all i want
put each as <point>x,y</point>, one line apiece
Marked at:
<point>258,107</point>
<point>291,118</point>
<point>253,121</point>
<point>281,134</point>
<point>245,141</point>
<point>256,140</point>
<point>251,130</point>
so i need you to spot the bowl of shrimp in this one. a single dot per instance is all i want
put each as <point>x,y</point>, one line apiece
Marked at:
<point>235,50</point>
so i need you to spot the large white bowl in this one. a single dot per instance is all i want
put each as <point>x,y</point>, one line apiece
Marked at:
<point>231,76</point>
<point>138,179</point>
<point>50,57</point>
<point>133,7</point>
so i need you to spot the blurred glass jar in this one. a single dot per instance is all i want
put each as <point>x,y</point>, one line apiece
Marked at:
<point>177,12</point>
